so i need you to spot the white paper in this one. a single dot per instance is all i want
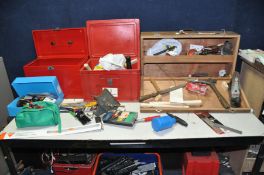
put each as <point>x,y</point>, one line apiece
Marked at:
<point>176,96</point>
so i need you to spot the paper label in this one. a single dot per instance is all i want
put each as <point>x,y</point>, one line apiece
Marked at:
<point>113,91</point>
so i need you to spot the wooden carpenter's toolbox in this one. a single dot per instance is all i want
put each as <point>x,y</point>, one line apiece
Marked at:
<point>61,53</point>
<point>170,71</point>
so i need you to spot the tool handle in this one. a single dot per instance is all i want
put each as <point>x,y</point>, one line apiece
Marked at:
<point>145,97</point>
<point>222,100</point>
<point>155,85</point>
<point>148,119</point>
<point>179,120</point>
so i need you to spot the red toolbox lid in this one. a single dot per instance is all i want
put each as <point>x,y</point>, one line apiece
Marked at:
<point>117,36</point>
<point>60,43</point>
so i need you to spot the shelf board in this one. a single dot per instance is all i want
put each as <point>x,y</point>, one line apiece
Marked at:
<point>188,59</point>
<point>190,35</point>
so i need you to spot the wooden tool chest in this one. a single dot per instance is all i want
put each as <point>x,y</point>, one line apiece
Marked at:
<point>169,71</point>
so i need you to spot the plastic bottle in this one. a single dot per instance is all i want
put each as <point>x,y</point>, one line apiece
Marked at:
<point>161,123</point>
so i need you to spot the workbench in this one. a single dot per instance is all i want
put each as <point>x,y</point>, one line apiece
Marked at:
<point>141,136</point>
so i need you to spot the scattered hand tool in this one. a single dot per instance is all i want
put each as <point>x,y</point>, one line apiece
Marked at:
<point>161,92</point>
<point>215,124</point>
<point>155,85</point>
<point>235,99</point>
<point>165,122</point>
<point>220,97</point>
<point>147,119</point>
<point>168,48</point>
<point>178,119</point>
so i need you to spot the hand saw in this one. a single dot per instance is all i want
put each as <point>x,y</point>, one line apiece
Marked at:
<point>216,125</point>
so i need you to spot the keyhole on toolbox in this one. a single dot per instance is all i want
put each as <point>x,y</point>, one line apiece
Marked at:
<point>50,68</point>
<point>70,42</point>
<point>110,81</point>
<point>53,43</point>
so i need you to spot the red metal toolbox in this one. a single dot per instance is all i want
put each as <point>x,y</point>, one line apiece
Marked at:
<point>119,36</point>
<point>61,53</point>
<point>201,165</point>
<point>74,169</point>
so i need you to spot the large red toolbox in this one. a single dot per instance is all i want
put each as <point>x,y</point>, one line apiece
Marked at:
<point>61,53</point>
<point>118,36</point>
<point>201,164</point>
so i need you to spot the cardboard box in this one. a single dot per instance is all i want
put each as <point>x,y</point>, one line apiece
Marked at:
<point>34,85</point>
<point>61,53</point>
<point>119,36</point>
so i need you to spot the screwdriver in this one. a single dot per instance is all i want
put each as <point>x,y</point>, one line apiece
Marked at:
<point>148,119</point>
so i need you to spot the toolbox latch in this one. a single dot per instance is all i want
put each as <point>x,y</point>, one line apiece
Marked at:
<point>110,81</point>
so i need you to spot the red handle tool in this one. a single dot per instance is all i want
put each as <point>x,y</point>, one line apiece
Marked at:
<point>148,119</point>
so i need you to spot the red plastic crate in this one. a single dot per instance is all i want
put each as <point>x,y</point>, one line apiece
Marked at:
<point>156,154</point>
<point>74,169</point>
<point>61,53</point>
<point>201,165</point>
<point>119,36</point>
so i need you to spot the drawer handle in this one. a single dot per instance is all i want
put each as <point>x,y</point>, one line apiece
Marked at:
<point>51,68</point>
<point>128,143</point>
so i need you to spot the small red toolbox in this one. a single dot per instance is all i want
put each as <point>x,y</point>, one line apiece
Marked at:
<point>74,169</point>
<point>61,53</point>
<point>201,164</point>
<point>118,36</point>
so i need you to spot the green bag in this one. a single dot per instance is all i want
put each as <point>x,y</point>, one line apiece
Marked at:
<point>47,115</point>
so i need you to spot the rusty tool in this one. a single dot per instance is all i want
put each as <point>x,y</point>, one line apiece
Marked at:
<point>220,97</point>
<point>161,92</point>
<point>155,85</point>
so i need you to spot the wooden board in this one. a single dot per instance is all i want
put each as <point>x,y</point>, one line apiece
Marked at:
<point>210,101</point>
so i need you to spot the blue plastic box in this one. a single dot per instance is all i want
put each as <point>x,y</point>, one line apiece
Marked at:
<point>34,85</point>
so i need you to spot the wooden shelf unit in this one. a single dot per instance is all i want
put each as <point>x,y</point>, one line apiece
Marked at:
<point>199,62</point>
